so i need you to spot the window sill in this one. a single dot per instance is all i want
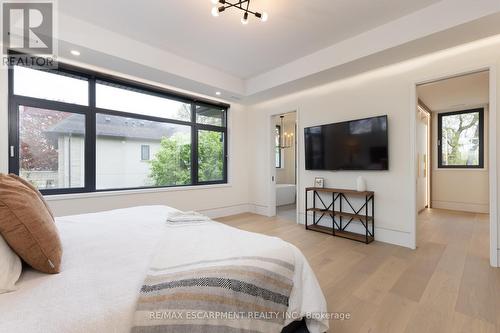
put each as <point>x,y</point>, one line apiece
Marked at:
<point>461,169</point>
<point>56,197</point>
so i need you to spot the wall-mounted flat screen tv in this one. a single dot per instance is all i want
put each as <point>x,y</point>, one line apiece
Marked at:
<point>351,145</point>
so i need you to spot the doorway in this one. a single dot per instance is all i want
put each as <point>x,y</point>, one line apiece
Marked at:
<point>423,149</point>
<point>453,155</point>
<point>285,165</point>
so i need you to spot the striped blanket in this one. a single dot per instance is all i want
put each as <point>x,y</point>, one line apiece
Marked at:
<point>224,287</point>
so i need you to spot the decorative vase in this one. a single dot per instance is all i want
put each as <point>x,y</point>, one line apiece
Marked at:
<point>360,184</point>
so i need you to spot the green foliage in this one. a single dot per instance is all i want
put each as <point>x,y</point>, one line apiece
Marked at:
<point>210,156</point>
<point>171,165</point>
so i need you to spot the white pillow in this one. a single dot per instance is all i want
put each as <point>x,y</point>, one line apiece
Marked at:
<point>10,267</point>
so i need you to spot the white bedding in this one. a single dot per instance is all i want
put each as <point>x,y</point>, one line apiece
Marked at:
<point>106,256</point>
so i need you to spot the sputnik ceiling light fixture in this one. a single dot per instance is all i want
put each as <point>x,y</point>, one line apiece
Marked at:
<point>243,5</point>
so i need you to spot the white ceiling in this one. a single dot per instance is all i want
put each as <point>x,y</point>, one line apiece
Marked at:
<point>186,28</point>
<point>456,93</point>
<point>179,45</point>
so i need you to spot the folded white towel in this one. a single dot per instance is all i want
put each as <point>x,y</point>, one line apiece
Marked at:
<point>187,217</point>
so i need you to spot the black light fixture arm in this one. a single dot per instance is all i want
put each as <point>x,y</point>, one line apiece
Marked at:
<point>238,5</point>
<point>241,6</point>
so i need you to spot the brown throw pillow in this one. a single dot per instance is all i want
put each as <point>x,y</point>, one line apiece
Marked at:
<point>27,183</point>
<point>28,226</point>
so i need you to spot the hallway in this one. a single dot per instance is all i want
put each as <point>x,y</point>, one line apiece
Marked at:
<point>287,212</point>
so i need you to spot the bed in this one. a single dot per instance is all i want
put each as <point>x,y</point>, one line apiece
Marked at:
<point>105,258</point>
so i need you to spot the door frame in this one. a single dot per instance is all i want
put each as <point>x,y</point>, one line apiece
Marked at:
<point>492,155</point>
<point>422,108</point>
<point>271,192</point>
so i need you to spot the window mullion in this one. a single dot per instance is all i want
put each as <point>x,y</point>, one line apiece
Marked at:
<point>14,130</point>
<point>194,146</point>
<point>211,128</point>
<point>47,104</point>
<point>141,116</point>
<point>90,147</point>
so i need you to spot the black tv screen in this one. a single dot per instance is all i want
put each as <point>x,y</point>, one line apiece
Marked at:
<point>351,145</point>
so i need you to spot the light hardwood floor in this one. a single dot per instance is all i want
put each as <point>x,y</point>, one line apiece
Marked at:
<point>446,285</point>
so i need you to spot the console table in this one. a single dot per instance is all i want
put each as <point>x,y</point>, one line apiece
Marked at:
<point>340,199</point>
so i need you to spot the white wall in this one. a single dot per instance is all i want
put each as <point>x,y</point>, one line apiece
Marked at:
<point>388,91</point>
<point>460,189</point>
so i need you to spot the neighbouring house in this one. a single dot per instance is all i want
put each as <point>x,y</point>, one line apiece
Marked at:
<point>129,143</point>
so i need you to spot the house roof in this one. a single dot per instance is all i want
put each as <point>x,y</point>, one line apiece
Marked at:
<point>118,127</point>
<point>127,127</point>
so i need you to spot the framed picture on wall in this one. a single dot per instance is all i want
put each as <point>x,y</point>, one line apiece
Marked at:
<point>319,182</point>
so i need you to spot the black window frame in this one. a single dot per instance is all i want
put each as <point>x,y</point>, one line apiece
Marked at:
<point>480,165</point>
<point>280,164</point>
<point>90,112</point>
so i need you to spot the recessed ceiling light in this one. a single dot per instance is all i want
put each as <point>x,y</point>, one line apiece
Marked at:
<point>75,52</point>
<point>218,93</point>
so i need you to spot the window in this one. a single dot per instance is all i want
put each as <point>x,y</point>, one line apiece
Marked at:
<point>279,151</point>
<point>210,116</point>
<point>51,148</point>
<point>210,156</point>
<point>117,141</point>
<point>145,152</point>
<point>113,97</point>
<point>71,131</point>
<point>460,139</point>
<point>61,87</point>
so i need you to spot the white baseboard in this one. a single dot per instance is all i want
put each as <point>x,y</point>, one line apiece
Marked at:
<point>395,237</point>
<point>235,209</point>
<point>385,235</point>
<point>460,206</point>
<point>260,209</point>
<point>228,211</point>
<point>381,234</point>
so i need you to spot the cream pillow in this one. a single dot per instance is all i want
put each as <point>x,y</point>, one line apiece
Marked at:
<point>10,267</point>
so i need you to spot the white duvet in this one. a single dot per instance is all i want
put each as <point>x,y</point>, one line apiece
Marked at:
<point>106,256</point>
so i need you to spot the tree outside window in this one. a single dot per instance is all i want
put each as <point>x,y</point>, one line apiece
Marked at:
<point>171,164</point>
<point>460,139</point>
